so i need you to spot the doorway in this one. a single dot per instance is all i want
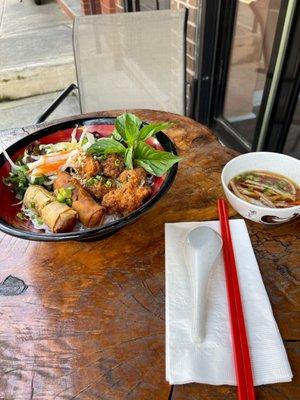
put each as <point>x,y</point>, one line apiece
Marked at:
<point>249,73</point>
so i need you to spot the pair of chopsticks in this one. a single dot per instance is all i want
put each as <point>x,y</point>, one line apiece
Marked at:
<point>242,363</point>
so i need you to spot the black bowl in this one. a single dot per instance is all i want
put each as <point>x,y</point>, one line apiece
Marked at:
<point>11,224</point>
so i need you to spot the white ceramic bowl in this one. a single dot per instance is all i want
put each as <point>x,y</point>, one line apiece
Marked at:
<point>263,161</point>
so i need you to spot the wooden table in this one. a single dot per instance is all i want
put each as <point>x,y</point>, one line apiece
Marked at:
<point>91,324</point>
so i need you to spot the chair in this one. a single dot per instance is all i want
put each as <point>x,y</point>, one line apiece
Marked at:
<point>129,60</point>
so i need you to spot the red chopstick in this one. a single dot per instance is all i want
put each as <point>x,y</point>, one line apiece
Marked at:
<point>242,362</point>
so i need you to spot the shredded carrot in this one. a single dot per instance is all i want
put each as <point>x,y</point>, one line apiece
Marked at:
<point>49,159</point>
<point>57,153</point>
<point>48,168</point>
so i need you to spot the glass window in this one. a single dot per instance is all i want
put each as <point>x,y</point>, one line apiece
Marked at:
<point>253,39</point>
<point>292,144</point>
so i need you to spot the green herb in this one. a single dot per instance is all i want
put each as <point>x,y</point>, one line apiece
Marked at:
<point>18,180</point>
<point>84,141</point>
<point>124,121</point>
<point>128,157</point>
<point>150,130</point>
<point>116,135</point>
<point>106,146</point>
<point>91,181</point>
<point>39,180</point>
<point>129,138</point>
<point>153,161</point>
<point>60,198</point>
<point>39,221</point>
<point>32,204</point>
<point>64,195</point>
<point>108,183</point>
<point>99,178</point>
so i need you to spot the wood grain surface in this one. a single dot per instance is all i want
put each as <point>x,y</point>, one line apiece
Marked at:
<point>91,323</point>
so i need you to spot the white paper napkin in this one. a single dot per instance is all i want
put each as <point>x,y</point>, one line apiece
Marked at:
<point>212,361</point>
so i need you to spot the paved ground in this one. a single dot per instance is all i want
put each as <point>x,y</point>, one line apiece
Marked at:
<point>36,60</point>
<point>31,34</point>
<point>36,54</point>
<point>24,112</point>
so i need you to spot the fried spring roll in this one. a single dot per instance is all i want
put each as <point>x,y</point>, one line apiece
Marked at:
<point>90,213</point>
<point>36,197</point>
<point>57,216</point>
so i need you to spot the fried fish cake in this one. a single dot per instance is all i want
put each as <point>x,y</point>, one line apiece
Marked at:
<point>87,166</point>
<point>131,194</point>
<point>112,166</point>
<point>98,188</point>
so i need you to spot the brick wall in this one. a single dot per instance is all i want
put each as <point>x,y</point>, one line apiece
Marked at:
<point>108,6</point>
<point>101,6</point>
<point>89,7</point>
<point>193,6</point>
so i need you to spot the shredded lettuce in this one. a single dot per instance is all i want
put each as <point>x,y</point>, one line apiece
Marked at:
<point>57,147</point>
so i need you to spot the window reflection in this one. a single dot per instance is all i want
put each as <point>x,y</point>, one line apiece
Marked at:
<point>253,39</point>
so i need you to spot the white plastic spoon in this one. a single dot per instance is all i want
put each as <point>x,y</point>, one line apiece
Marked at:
<point>202,248</point>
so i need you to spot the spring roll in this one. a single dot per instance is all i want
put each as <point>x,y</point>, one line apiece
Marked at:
<point>90,213</point>
<point>57,216</point>
<point>36,198</point>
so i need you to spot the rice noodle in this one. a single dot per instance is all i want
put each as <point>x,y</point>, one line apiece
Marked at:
<point>17,204</point>
<point>73,135</point>
<point>82,136</point>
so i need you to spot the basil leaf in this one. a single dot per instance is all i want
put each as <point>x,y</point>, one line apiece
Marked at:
<point>153,161</point>
<point>131,130</point>
<point>125,119</point>
<point>106,146</point>
<point>149,130</point>
<point>115,135</point>
<point>133,119</point>
<point>120,125</point>
<point>128,158</point>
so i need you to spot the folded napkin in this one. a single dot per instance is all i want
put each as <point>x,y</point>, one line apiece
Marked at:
<point>212,360</point>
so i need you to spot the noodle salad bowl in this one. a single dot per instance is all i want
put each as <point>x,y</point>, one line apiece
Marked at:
<point>85,178</point>
<point>261,208</point>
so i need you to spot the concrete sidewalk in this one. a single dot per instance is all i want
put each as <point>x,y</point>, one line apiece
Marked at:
<point>23,112</point>
<point>36,54</point>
